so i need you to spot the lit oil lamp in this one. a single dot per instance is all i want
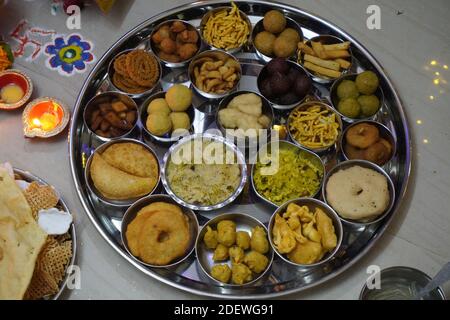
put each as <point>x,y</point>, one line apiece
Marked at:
<point>44,117</point>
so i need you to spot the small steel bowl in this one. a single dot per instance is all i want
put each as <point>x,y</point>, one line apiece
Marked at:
<point>107,97</point>
<point>305,106</point>
<point>216,55</point>
<point>406,278</point>
<point>324,39</point>
<point>266,110</point>
<point>168,138</point>
<point>132,95</point>
<point>131,213</point>
<point>170,64</point>
<point>312,204</point>
<point>275,103</point>
<point>93,189</point>
<point>385,133</point>
<point>205,19</point>
<point>364,164</point>
<point>335,99</point>
<point>240,158</point>
<point>244,222</point>
<point>19,78</point>
<point>292,146</point>
<point>259,27</point>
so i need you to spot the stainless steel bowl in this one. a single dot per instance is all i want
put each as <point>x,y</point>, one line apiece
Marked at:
<point>216,55</point>
<point>364,164</point>
<point>131,213</point>
<point>244,222</point>
<point>292,146</point>
<point>275,103</point>
<point>305,106</point>
<point>312,204</point>
<point>325,39</point>
<point>335,99</point>
<point>107,97</point>
<point>205,18</point>
<point>168,138</point>
<point>401,283</point>
<point>266,110</point>
<point>90,184</point>
<point>240,158</point>
<point>170,64</point>
<point>259,27</point>
<point>385,133</point>
<point>132,95</point>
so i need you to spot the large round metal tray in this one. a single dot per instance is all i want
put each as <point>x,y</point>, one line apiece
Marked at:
<point>283,278</point>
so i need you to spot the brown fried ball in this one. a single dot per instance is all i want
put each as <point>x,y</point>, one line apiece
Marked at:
<point>274,21</point>
<point>187,51</point>
<point>161,34</point>
<point>377,153</point>
<point>283,47</point>
<point>264,42</point>
<point>168,46</point>
<point>353,152</point>
<point>291,34</point>
<point>177,26</point>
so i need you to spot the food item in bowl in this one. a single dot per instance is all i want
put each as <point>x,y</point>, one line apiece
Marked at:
<point>369,104</point>
<point>135,72</point>
<point>367,82</point>
<point>180,120</point>
<point>264,41</point>
<point>179,97</point>
<point>347,89</point>
<point>158,123</point>
<point>304,235</point>
<point>11,93</point>
<point>325,60</point>
<point>258,240</point>
<point>256,261</point>
<point>226,29</point>
<point>216,73</point>
<point>240,273</point>
<point>158,105</point>
<point>291,34</point>
<point>221,253</point>
<point>176,41</point>
<point>112,118</point>
<point>243,116</point>
<point>298,174</point>
<point>226,232</point>
<point>358,193</point>
<point>314,127</point>
<point>208,181</point>
<point>125,172</point>
<point>236,254</point>
<point>363,141</point>
<point>159,234</point>
<point>349,107</point>
<point>284,47</point>
<point>210,238</point>
<point>242,240</point>
<point>274,21</point>
<point>221,272</point>
<point>283,83</point>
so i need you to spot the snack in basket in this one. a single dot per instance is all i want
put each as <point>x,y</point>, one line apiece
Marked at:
<point>315,127</point>
<point>358,193</point>
<point>283,83</point>
<point>363,141</point>
<point>159,234</point>
<point>135,72</point>
<point>357,99</point>
<point>112,118</point>
<point>226,29</point>
<point>325,60</point>
<point>303,235</point>
<point>176,41</point>
<point>243,116</point>
<point>246,263</point>
<point>124,171</point>
<point>216,73</point>
<point>206,181</point>
<point>276,40</point>
<point>299,174</point>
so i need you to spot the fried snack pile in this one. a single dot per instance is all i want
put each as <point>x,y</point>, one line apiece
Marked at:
<point>231,245</point>
<point>5,62</point>
<point>216,73</point>
<point>303,235</point>
<point>124,171</point>
<point>316,127</point>
<point>159,234</point>
<point>112,118</point>
<point>326,60</point>
<point>40,197</point>
<point>226,29</point>
<point>135,72</point>
<point>176,41</point>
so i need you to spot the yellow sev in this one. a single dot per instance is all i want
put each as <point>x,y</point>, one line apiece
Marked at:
<point>314,127</point>
<point>226,29</point>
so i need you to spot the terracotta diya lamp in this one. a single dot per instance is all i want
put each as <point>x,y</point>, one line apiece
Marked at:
<point>44,117</point>
<point>15,89</point>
